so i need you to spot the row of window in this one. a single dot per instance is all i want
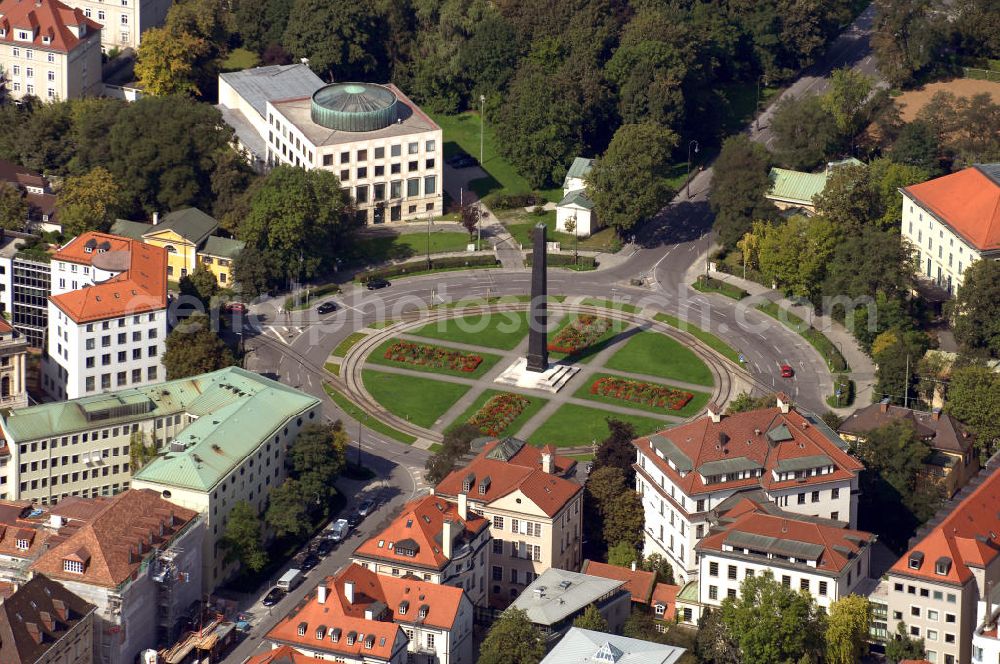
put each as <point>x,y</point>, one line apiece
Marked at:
<point>524,577</point>
<point>361,156</point>
<point>30,89</point>
<point>361,173</point>
<point>805,584</point>
<point>91,343</point>
<point>29,72</point>
<point>89,381</point>
<point>30,54</point>
<point>100,434</point>
<point>122,357</point>
<point>378,190</point>
<point>72,478</point>
<point>121,322</point>
<point>937,595</point>
<point>68,459</point>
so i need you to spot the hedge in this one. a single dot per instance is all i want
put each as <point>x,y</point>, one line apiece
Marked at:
<point>566,260</point>
<point>503,201</point>
<point>417,266</point>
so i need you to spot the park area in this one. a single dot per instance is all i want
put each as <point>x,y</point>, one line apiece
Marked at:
<point>911,101</point>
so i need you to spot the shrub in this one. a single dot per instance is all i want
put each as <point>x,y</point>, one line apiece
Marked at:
<point>417,266</point>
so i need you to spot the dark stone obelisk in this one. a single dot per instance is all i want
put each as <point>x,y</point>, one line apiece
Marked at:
<point>538,351</point>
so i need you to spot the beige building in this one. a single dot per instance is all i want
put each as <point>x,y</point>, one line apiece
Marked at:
<point>13,358</point>
<point>124,21</point>
<point>49,50</point>
<point>533,511</point>
<point>43,623</point>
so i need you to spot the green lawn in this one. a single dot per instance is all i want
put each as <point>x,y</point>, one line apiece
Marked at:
<point>520,225</point>
<point>588,353</point>
<point>462,132</point>
<point>692,407</point>
<point>574,425</point>
<point>333,368</point>
<point>657,354</point>
<point>534,406</point>
<point>617,304</point>
<point>367,420</point>
<point>707,338</point>
<point>493,330</point>
<point>377,356</point>
<point>239,59</point>
<point>382,248</point>
<point>711,285</point>
<point>348,343</point>
<point>419,400</point>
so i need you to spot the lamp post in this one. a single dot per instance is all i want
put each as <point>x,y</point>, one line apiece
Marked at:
<point>756,109</point>
<point>695,144</point>
<point>428,240</point>
<point>482,124</point>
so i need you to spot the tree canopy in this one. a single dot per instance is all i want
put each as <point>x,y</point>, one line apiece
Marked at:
<point>973,397</point>
<point>243,538</point>
<point>194,348</point>
<point>612,512</point>
<point>975,309</point>
<point>13,208</point>
<point>512,639</point>
<point>740,181</point>
<point>617,449</point>
<point>89,202</point>
<point>848,630</point>
<point>591,619</point>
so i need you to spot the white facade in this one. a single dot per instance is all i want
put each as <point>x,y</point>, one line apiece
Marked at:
<point>124,21</point>
<point>985,644</point>
<point>942,256</point>
<point>582,216</point>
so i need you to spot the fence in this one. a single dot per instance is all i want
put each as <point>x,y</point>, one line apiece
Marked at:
<point>981,74</point>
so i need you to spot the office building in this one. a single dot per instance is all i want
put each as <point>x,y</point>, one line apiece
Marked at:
<point>43,623</point>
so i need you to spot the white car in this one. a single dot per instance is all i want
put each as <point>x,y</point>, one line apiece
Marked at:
<point>338,530</point>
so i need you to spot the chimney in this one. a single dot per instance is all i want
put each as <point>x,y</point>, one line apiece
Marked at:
<point>883,405</point>
<point>783,402</point>
<point>936,414</point>
<point>547,459</point>
<point>321,593</point>
<point>156,218</point>
<point>463,506</point>
<point>446,538</point>
<point>349,591</point>
<point>714,412</point>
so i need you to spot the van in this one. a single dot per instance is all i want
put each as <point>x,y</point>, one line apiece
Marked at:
<point>290,580</point>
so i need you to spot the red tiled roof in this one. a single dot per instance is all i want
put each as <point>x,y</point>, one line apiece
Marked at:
<point>968,537</point>
<point>421,521</point>
<point>49,19</point>
<point>116,540</point>
<point>639,583</point>
<point>941,430</point>
<point>141,287</point>
<point>746,517</point>
<point>520,472</point>
<point>665,595</point>
<point>765,438</point>
<point>19,175</point>
<point>968,201</point>
<point>284,655</point>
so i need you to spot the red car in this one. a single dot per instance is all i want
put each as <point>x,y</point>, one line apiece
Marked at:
<point>236,308</point>
<point>787,371</point>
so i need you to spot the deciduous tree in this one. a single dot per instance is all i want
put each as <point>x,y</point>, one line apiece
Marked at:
<point>847,630</point>
<point>612,511</point>
<point>194,348</point>
<point>13,208</point>
<point>906,40</point>
<point>657,563</point>
<point>973,397</point>
<point>894,351</point>
<point>975,309</point>
<point>456,444</point>
<point>591,619</point>
<point>902,646</point>
<point>804,132</point>
<point>200,284</point>
<point>343,41</point>
<point>617,449</point>
<point>243,538</point>
<point>739,184</point>
<point>318,456</point>
<point>917,145</point>
<point>89,202</point>
<point>286,509</point>
<point>848,199</point>
<point>512,639</point>
<point>847,100</point>
<point>165,62</point>
<point>623,554</point>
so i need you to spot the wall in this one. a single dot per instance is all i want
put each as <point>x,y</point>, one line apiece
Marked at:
<point>948,253</point>
<point>934,612</point>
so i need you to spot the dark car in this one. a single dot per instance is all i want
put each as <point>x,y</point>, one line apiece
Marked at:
<point>310,561</point>
<point>354,520</point>
<point>787,371</point>
<point>377,283</point>
<point>324,548</point>
<point>326,308</point>
<point>366,507</point>
<point>273,597</point>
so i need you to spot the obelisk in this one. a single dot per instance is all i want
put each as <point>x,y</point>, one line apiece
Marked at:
<point>538,351</point>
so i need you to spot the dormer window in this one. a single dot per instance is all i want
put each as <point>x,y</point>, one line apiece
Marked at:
<point>23,544</point>
<point>351,636</point>
<point>23,35</point>
<point>403,607</point>
<point>484,486</point>
<point>302,628</point>
<point>72,566</point>
<point>660,609</point>
<point>916,560</point>
<point>320,632</point>
<point>942,566</point>
<point>468,482</point>
<point>422,613</point>
<point>370,642</point>
<point>335,634</point>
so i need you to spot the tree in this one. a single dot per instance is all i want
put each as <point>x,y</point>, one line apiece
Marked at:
<point>887,178</point>
<point>591,619</point>
<point>286,509</point>
<point>973,397</point>
<point>489,57</point>
<point>623,554</point>
<point>714,642</point>
<point>342,40</point>
<point>772,623</point>
<point>193,348</point>
<point>512,639</point>
<point>917,145</point>
<point>905,40</point>
<point>640,625</point>
<point>139,453</point>
<point>318,456</point>
<point>456,444</point>
<point>256,272</point>
<point>739,184</point>
<point>165,62</point>
<point>974,310</point>
<point>470,218</point>
<point>657,563</point>
<point>745,402</point>
<point>200,284</point>
<point>847,101</point>
<point>848,198</point>
<point>902,646</point>
<point>628,183</point>
<point>89,202</point>
<point>795,253</point>
<point>617,449</point>
<point>13,208</point>
<point>612,511</point>
<point>896,353</point>
<point>804,132</point>
<point>243,538</point>
<point>847,630</point>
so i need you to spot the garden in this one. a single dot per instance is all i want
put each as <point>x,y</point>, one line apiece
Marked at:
<point>434,359</point>
<point>573,425</point>
<point>479,409</point>
<point>579,334</point>
<point>646,394</point>
<point>499,412</point>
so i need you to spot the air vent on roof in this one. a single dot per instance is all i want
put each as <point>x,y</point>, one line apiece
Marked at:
<point>565,584</point>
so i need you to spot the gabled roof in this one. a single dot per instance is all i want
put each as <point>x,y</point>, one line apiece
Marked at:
<point>577,197</point>
<point>584,646</point>
<point>35,617</point>
<point>222,247</point>
<point>522,472</point>
<point>580,168</point>
<point>665,595</point>
<point>190,223</point>
<point>638,582</point>
<point>113,544</point>
<point>130,229</point>
<point>795,186</point>
<point>284,655</point>
<point>968,202</point>
<point>50,20</point>
<point>421,525</point>
<point>941,430</point>
<point>20,176</point>
<point>968,537</point>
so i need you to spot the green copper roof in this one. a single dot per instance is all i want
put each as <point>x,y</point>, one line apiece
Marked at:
<point>222,246</point>
<point>580,168</point>
<point>190,223</point>
<point>354,107</point>
<point>577,197</point>
<point>796,187</point>
<point>130,229</point>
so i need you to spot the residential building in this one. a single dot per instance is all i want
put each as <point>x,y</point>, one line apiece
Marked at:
<point>952,221</point>
<point>954,461</point>
<point>125,21</point>
<point>288,655</point>
<point>49,50</point>
<point>37,194</point>
<point>138,561</point>
<point>750,536</point>
<point>795,191</point>
<point>24,267</point>
<point>533,511</point>
<point>985,641</point>
<point>584,646</point>
<point>434,540</point>
<point>189,237</point>
<point>559,596</point>
<point>949,568</point>
<point>664,605</point>
<point>638,582</point>
<point>386,151</point>
<point>575,206</point>
<point>237,454</point>
<point>685,472</point>
<point>107,316</point>
<point>43,623</point>
<point>359,615</point>
<point>13,360</point>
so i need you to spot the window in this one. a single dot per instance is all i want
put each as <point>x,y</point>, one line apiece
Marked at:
<point>361,193</point>
<point>412,148</point>
<point>498,547</point>
<point>713,592</point>
<point>815,496</point>
<point>949,617</point>
<point>345,157</point>
<point>802,499</point>
<point>949,638</point>
<point>328,160</point>
<point>498,522</point>
<point>429,146</point>
<point>413,187</point>
<point>731,572</point>
<point>151,373</point>
<point>430,185</point>
<point>822,588</point>
<point>497,573</point>
<point>74,566</point>
<point>786,581</point>
<point>915,611</point>
<point>713,569</point>
<point>932,614</point>
<point>362,155</point>
<point>835,516</point>
<point>22,544</point>
<point>932,635</point>
<point>804,584</point>
<point>100,15</point>
<point>428,164</point>
<point>430,641</point>
<point>52,75</point>
<point>395,150</point>
<point>124,19</point>
<point>379,153</point>
<point>378,191</point>
<point>395,189</point>
<point>362,172</point>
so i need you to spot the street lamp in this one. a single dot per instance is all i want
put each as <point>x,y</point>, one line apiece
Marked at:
<point>756,108</point>
<point>695,144</point>
<point>482,124</point>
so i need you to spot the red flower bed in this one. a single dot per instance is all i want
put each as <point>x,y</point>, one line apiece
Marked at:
<point>579,334</point>
<point>498,413</point>
<point>434,357</point>
<point>647,394</point>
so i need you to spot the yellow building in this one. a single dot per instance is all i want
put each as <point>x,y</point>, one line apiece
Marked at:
<point>187,235</point>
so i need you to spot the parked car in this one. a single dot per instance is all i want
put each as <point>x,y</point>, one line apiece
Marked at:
<point>273,597</point>
<point>366,507</point>
<point>354,520</point>
<point>377,283</point>
<point>338,530</point>
<point>324,548</point>
<point>309,562</point>
<point>236,307</point>
<point>787,371</point>
<point>326,308</point>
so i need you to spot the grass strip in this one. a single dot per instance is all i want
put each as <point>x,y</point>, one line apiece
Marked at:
<point>834,359</point>
<point>609,304</point>
<point>348,343</point>
<point>707,338</point>
<point>711,285</point>
<point>365,419</point>
<point>419,400</point>
<point>292,302</point>
<point>333,368</point>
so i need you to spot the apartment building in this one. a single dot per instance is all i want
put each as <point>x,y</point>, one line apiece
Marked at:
<point>37,194</point>
<point>533,511</point>
<point>434,540</point>
<point>684,473</point>
<point>25,285</point>
<point>386,152</point>
<point>125,20</point>
<point>952,221</point>
<point>935,587</point>
<point>49,50</point>
<point>750,536</point>
<point>107,316</point>
<point>43,623</point>
<point>360,616</point>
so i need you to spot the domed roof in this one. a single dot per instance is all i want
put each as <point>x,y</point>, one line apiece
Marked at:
<point>354,106</point>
